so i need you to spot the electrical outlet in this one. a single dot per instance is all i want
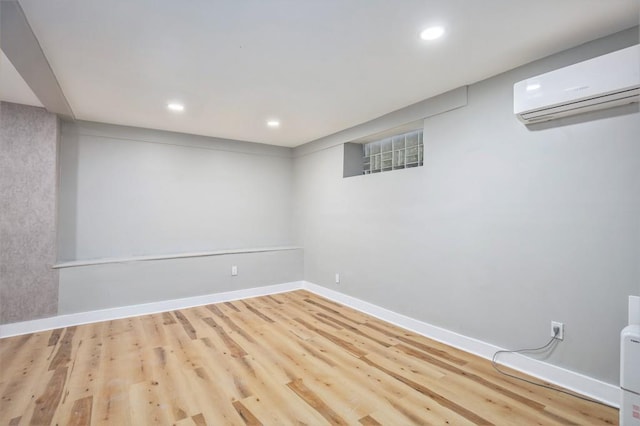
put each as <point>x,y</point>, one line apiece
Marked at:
<point>560,326</point>
<point>337,278</point>
<point>234,270</point>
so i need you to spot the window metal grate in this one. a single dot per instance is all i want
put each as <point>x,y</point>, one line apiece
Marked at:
<point>393,153</point>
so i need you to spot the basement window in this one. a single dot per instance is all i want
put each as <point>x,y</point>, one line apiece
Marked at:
<point>392,153</point>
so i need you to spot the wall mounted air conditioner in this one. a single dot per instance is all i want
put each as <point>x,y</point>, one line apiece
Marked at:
<point>603,82</point>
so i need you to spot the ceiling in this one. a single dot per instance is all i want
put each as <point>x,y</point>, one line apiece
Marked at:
<point>318,66</point>
<point>13,88</point>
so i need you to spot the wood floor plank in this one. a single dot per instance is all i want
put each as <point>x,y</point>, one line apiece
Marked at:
<point>316,402</point>
<point>369,421</point>
<point>232,306</point>
<point>25,362</point>
<point>575,410</point>
<point>47,403</point>
<point>234,328</point>
<point>81,382</point>
<point>344,344</point>
<point>63,353</point>
<point>199,420</point>
<point>225,374</point>
<point>470,376</point>
<point>165,376</point>
<point>81,412</point>
<point>447,403</point>
<point>188,327</point>
<point>167,318</point>
<point>257,312</point>
<point>285,359</point>
<point>13,345</point>
<point>418,409</point>
<point>247,416</point>
<point>279,351</point>
<point>300,414</point>
<point>148,405</point>
<point>352,383</point>
<point>234,348</point>
<point>269,406</point>
<point>55,336</point>
<point>213,396</point>
<point>155,332</point>
<point>336,386</point>
<point>425,347</point>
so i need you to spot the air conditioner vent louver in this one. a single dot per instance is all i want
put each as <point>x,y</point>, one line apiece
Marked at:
<point>603,82</point>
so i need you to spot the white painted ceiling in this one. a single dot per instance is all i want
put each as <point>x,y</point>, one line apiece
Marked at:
<point>319,66</point>
<point>13,88</point>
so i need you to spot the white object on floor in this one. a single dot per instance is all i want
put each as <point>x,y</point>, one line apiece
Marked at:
<point>630,367</point>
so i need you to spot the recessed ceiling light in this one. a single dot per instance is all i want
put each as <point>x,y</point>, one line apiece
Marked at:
<point>273,124</point>
<point>432,33</point>
<point>173,106</point>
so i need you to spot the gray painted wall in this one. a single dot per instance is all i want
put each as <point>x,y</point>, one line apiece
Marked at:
<point>133,192</point>
<point>130,192</point>
<point>92,287</point>
<point>503,230</point>
<point>28,167</point>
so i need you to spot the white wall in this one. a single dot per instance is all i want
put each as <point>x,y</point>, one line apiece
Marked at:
<point>127,192</point>
<point>131,192</point>
<point>503,230</point>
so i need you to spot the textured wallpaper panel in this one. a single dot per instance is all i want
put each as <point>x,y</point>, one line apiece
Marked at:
<point>28,165</point>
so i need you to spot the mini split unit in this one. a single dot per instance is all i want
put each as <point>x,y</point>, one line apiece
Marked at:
<point>603,82</point>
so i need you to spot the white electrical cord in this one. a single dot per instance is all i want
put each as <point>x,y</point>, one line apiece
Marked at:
<point>550,343</point>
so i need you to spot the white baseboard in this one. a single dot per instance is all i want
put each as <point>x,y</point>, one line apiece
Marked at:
<point>596,389</point>
<point>584,385</point>
<point>25,327</point>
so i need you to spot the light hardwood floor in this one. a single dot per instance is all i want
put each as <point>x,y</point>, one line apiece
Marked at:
<point>292,358</point>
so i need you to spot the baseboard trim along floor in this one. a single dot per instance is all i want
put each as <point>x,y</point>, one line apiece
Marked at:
<point>585,385</point>
<point>25,327</point>
<point>577,382</point>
